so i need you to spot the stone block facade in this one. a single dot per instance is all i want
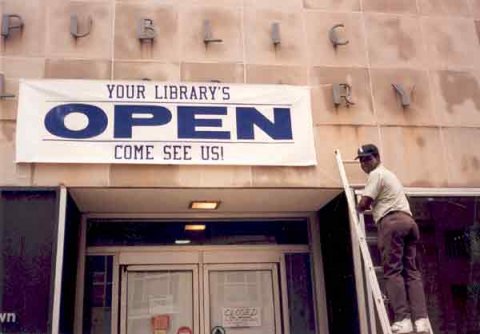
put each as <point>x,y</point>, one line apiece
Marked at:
<point>431,47</point>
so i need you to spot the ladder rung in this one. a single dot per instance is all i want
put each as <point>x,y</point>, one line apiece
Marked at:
<point>357,186</point>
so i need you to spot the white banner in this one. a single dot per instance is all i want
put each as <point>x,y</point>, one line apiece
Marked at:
<point>142,122</point>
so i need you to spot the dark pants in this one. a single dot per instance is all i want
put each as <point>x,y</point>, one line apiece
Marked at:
<point>398,235</point>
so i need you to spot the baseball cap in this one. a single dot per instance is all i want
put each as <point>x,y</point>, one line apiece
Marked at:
<point>367,150</point>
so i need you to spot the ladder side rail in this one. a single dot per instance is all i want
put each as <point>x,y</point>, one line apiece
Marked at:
<point>372,279</point>
<point>371,275</point>
<point>360,282</point>
<point>370,270</point>
<point>370,305</point>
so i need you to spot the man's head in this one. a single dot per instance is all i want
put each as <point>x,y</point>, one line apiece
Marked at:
<point>369,157</point>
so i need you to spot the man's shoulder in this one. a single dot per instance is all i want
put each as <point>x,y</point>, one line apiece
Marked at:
<point>383,174</point>
<point>375,176</point>
<point>389,177</point>
<point>380,170</point>
<point>387,171</point>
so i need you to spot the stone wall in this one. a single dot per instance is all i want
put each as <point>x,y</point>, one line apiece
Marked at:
<point>429,46</point>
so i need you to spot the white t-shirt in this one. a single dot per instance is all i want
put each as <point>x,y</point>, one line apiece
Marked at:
<point>387,193</point>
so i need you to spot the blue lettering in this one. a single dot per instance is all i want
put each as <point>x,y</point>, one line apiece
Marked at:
<point>281,128</point>
<point>212,91</point>
<point>191,120</point>
<point>126,91</point>
<point>226,93</point>
<point>211,152</point>
<point>125,118</point>
<point>55,121</point>
<point>183,92</point>
<point>177,152</point>
<point>187,123</point>
<point>135,152</point>
<point>193,94</point>
<point>173,92</point>
<point>203,92</point>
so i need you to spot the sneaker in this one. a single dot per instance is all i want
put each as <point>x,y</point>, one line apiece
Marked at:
<point>421,326</point>
<point>402,327</point>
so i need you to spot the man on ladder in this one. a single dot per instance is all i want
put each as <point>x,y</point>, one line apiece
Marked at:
<point>398,235</point>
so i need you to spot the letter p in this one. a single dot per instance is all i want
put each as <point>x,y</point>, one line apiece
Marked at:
<point>125,118</point>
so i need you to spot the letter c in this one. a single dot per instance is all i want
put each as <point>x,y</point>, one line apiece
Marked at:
<point>55,121</point>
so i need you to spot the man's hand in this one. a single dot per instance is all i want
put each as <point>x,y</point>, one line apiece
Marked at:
<point>364,204</point>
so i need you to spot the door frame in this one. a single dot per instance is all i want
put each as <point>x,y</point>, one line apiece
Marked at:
<point>273,268</point>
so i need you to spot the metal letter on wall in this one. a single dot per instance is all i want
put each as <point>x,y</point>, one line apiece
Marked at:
<point>208,35</point>
<point>74,27</point>
<point>334,39</point>
<point>6,26</point>
<point>146,30</point>
<point>275,34</point>
<point>3,95</point>
<point>404,96</point>
<point>342,92</point>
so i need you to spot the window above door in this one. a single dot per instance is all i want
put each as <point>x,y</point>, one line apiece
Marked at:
<point>224,232</point>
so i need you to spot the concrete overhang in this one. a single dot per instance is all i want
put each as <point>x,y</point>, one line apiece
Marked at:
<point>177,200</point>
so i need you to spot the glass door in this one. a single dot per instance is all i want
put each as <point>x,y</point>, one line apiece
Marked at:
<point>159,299</point>
<point>242,299</point>
<point>207,296</point>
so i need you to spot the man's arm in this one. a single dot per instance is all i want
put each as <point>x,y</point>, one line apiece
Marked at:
<point>364,204</point>
<point>371,191</point>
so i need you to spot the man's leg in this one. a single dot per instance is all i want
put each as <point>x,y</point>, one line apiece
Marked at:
<point>391,243</point>
<point>413,277</point>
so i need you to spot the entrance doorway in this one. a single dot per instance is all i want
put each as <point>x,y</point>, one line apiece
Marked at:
<point>233,278</point>
<point>236,298</point>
